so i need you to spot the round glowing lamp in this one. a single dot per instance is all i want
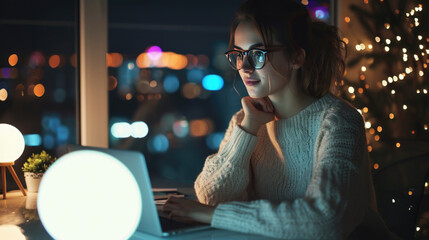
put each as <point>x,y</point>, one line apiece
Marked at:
<point>88,194</point>
<point>12,145</point>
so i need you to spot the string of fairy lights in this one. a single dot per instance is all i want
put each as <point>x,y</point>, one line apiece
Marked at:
<point>412,67</point>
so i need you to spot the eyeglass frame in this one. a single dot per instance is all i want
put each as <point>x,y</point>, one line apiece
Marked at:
<point>245,53</point>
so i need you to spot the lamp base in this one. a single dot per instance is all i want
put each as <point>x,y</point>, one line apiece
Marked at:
<point>9,165</point>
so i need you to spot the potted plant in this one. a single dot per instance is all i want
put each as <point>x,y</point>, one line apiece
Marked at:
<point>34,168</point>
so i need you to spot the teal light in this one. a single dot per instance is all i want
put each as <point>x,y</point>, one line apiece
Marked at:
<point>213,82</point>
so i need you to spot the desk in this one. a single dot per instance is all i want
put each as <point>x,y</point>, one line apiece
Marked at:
<point>18,215</point>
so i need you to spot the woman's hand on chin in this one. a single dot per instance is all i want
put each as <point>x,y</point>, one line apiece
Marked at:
<point>257,112</point>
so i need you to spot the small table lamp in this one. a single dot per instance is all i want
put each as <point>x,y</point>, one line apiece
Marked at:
<point>89,194</point>
<point>11,147</point>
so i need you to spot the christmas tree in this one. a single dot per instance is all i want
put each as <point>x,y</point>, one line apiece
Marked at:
<point>387,79</point>
<point>394,97</point>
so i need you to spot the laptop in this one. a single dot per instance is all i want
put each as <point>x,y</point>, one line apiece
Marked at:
<point>153,220</point>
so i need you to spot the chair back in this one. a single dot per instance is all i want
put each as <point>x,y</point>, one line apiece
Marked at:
<point>399,190</point>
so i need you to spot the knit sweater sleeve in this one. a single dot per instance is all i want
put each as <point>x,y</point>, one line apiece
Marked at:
<point>226,174</point>
<point>335,200</point>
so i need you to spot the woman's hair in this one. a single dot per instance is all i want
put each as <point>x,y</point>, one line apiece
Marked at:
<point>289,22</point>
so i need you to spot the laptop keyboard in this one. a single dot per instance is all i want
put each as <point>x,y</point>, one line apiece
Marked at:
<point>168,225</point>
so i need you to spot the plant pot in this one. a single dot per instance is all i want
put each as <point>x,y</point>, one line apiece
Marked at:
<point>33,181</point>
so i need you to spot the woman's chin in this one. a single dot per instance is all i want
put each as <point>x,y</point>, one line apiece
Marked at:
<point>254,94</point>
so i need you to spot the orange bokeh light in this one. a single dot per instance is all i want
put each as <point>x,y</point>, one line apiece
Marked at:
<point>73,60</point>
<point>13,60</point>
<point>200,127</point>
<point>114,59</point>
<point>39,90</point>
<point>54,61</point>
<point>191,90</point>
<point>376,166</point>
<point>143,61</point>
<point>203,61</point>
<point>113,82</point>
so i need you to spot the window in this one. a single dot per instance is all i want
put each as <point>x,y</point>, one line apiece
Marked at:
<point>38,74</point>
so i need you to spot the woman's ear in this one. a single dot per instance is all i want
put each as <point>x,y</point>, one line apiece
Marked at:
<point>298,58</point>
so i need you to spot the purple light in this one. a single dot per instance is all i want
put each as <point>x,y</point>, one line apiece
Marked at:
<point>5,72</point>
<point>154,53</point>
<point>320,14</point>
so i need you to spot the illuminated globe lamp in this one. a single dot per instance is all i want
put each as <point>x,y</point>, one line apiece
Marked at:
<point>88,194</point>
<point>11,147</point>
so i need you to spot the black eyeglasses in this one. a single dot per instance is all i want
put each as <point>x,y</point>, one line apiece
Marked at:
<point>256,57</point>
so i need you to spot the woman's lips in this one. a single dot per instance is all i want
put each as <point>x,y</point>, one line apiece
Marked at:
<point>251,82</point>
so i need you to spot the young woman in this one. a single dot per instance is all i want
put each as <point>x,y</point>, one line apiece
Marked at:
<point>293,163</point>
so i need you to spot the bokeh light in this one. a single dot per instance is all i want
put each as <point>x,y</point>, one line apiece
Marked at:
<point>154,53</point>
<point>192,61</point>
<point>195,75</point>
<point>48,141</point>
<point>114,60</point>
<point>3,94</point>
<point>13,60</point>
<point>33,140</point>
<point>201,127</point>
<point>191,90</point>
<point>39,90</point>
<point>213,82</point>
<point>121,130</point>
<point>5,72</point>
<point>63,133</point>
<point>213,140</point>
<point>73,60</point>
<point>113,83</point>
<point>171,83</point>
<point>60,95</point>
<point>37,59</point>
<point>203,61</point>
<point>181,128</point>
<point>54,61</point>
<point>158,144</point>
<point>139,129</point>
<point>143,60</point>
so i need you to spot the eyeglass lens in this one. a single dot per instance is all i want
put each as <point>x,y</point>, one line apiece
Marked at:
<point>255,57</point>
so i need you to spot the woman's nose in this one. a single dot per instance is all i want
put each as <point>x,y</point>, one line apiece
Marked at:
<point>246,64</point>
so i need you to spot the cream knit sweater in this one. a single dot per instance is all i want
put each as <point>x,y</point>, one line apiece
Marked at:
<point>305,177</point>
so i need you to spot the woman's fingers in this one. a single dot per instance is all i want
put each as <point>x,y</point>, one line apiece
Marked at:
<point>258,104</point>
<point>188,209</point>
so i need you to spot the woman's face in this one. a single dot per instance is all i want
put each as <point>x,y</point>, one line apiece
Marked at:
<point>258,81</point>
